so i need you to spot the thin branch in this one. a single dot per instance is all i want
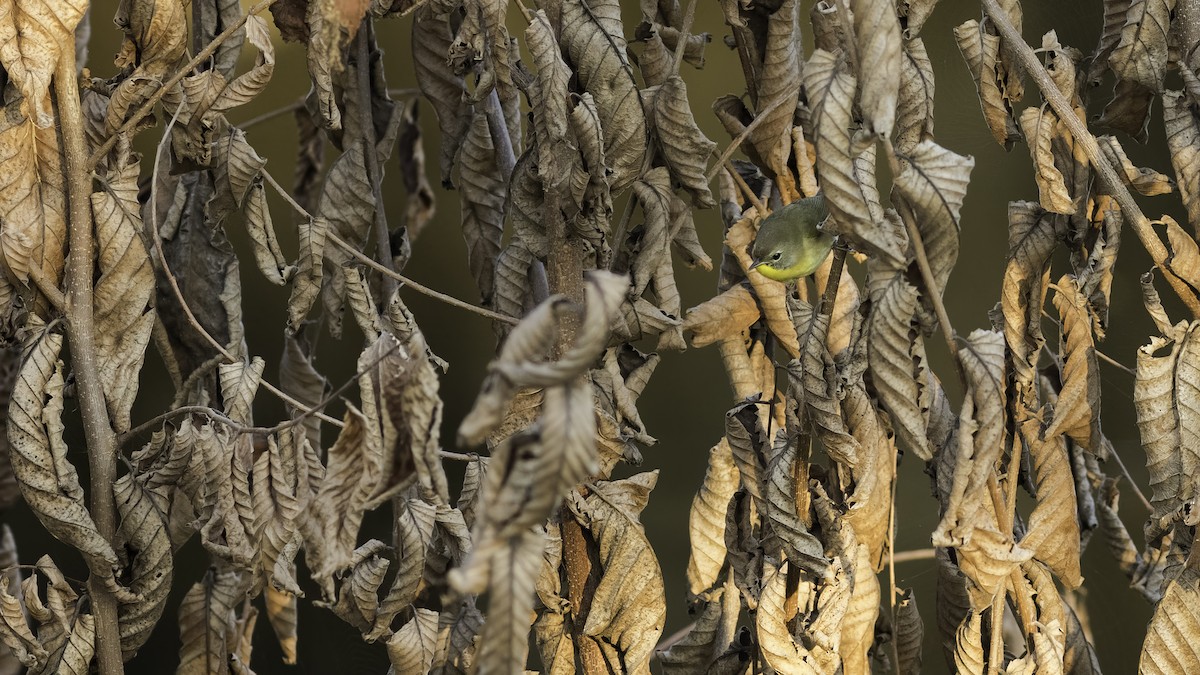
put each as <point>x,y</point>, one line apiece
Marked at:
<point>746,191</point>
<point>97,429</point>
<point>745,133</point>
<point>217,416</point>
<point>272,114</point>
<point>915,555</point>
<point>681,44</point>
<point>1103,357</point>
<point>1112,452</point>
<point>47,288</point>
<point>383,241</point>
<point>200,57</point>
<point>1109,177</point>
<point>369,262</point>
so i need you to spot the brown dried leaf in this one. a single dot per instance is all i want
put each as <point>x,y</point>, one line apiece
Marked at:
<point>909,631</point>
<point>123,291</point>
<point>206,620</point>
<point>32,35</point>
<point>484,200</point>
<point>913,14</point>
<point>414,527</point>
<point>283,614</point>
<point>896,357</point>
<point>685,148</point>
<point>411,649</point>
<point>431,39</point>
<point>933,182</point>
<point>306,283</point>
<point>877,32</point>
<point>1053,533</point>
<point>1170,645</point>
<point>1183,141</point>
<point>1077,412</point>
<point>1158,421</point>
<point>503,645</point>
<point>46,477</point>
<point>628,609</point>
<point>596,50</point>
<point>914,109</point>
<point>981,50</point>
<point>1146,181</point>
<point>1039,127</point>
<point>142,532</point>
<point>726,315</point>
<point>709,637</point>
<point>1141,53</point>
<point>777,79</point>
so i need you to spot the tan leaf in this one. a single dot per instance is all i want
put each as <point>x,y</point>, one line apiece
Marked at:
<point>685,148</point>
<point>503,645</point>
<point>1183,141</point>
<point>706,521</point>
<point>142,531</point>
<point>206,619</point>
<point>779,648</point>
<point>709,637</point>
<point>1170,645</point>
<point>598,53</point>
<point>47,479</point>
<point>895,357</point>
<point>1158,421</point>
<point>358,593</point>
<point>123,291</point>
<point>32,36</point>
<point>1147,182</point>
<point>1114,21</point>
<point>1077,412</point>
<point>414,526</point>
<point>628,609</point>
<point>933,182</point>
<point>813,385</point>
<point>14,629</point>
<point>411,649</point>
<point>981,50</point>
<point>306,282</point>
<point>445,90</point>
<point>283,614</point>
<point>1032,238</point>
<point>877,32</point>
<point>914,109</point>
<point>726,315</point>
<point>1038,125</point>
<point>1141,53</point>
<point>1053,533</point>
<point>781,61</point>
<point>484,194</point>
<point>913,14</point>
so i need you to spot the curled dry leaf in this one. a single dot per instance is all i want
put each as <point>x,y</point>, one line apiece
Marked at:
<point>1168,648</point>
<point>38,453</point>
<point>123,291</point>
<point>706,521</point>
<point>206,617</point>
<point>411,649</point>
<point>877,33</point>
<point>981,50</point>
<point>1039,127</point>
<point>1077,412</point>
<point>685,148</point>
<point>1141,53</point>
<point>1183,140</point>
<point>724,316</point>
<point>143,532</point>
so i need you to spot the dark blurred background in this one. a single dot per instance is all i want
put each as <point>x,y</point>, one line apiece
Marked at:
<point>684,405</point>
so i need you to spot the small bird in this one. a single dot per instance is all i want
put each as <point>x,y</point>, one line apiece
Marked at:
<point>789,245</point>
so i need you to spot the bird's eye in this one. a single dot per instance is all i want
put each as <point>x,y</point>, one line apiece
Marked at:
<point>777,255</point>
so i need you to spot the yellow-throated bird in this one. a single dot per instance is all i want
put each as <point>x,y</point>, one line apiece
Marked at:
<point>789,245</point>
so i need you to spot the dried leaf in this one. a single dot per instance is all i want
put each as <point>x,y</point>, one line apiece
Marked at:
<point>1039,127</point>
<point>1183,141</point>
<point>685,148</point>
<point>431,39</point>
<point>46,477</point>
<point>933,182</point>
<point>981,50</point>
<point>1169,645</point>
<point>706,521</point>
<point>206,619</point>
<point>484,196</point>
<point>411,649</point>
<point>877,32</point>
<point>724,316</point>
<point>143,531</point>
<point>1141,53</point>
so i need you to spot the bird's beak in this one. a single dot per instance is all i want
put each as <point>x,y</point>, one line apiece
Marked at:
<point>756,263</point>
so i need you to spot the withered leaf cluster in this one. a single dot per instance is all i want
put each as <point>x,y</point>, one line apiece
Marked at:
<point>581,173</point>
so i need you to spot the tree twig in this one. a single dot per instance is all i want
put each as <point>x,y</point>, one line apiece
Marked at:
<point>175,79</point>
<point>745,133</point>
<point>97,429</point>
<point>1087,142</point>
<point>366,260</point>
